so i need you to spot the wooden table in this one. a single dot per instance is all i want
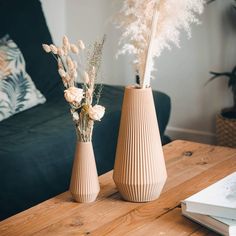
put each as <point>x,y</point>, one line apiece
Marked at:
<point>191,167</point>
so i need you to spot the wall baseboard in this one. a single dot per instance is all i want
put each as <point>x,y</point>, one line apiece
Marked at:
<point>191,135</point>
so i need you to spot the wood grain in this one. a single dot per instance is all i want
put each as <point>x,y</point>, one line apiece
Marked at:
<point>170,199</point>
<point>190,167</point>
<point>171,223</point>
<point>51,211</point>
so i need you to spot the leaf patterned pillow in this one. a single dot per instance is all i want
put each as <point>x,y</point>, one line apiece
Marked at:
<point>17,90</point>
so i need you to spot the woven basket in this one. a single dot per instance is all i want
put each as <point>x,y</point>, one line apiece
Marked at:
<point>225,131</point>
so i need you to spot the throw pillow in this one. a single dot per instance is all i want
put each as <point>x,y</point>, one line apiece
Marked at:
<point>24,21</point>
<point>17,90</point>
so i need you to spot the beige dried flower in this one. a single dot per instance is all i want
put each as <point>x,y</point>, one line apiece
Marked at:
<point>81,45</point>
<point>46,48</point>
<point>83,113</point>
<point>60,52</point>
<point>65,49</point>
<point>53,48</point>
<point>65,41</point>
<point>69,63</point>
<point>74,49</point>
<point>59,62</point>
<point>74,95</point>
<point>150,26</point>
<point>96,112</point>
<point>62,73</point>
<point>67,78</point>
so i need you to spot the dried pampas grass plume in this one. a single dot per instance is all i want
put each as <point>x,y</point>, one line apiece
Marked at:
<point>150,26</point>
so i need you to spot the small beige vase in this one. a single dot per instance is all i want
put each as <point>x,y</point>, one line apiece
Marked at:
<point>139,171</point>
<point>84,185</point>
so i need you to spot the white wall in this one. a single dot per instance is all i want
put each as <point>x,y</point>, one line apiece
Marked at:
<point>181,73</point>
<point>55,13</point>
<point>89,20</point>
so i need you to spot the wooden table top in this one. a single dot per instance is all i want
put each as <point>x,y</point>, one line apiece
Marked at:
<point>190,166</point>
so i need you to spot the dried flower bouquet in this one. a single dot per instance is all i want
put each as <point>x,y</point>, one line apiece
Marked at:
<point>149,26</point>
<point>84,108</point>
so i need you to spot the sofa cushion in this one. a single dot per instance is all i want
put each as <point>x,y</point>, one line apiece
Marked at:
<point>25,23</point>
<point>17,90</point>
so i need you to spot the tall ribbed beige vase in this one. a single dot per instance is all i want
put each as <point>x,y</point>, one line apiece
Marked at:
<point>84,185</point>
<point>139,171</point>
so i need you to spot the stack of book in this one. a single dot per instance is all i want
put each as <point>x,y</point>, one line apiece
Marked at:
<point>214,206</point>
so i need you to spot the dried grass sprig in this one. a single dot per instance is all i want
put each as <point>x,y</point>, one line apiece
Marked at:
<point>95,58</point>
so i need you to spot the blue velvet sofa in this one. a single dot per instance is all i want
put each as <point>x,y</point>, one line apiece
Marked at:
<point>37,145</point>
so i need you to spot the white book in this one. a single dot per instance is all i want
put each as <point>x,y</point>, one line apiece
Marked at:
<point>219,199</point>
<point>220,225</point>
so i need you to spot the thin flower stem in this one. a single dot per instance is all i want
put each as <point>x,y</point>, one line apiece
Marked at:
<point>63,63</point>
<point>54,56</point>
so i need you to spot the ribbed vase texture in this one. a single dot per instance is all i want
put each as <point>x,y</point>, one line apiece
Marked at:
<point>84,185</point>
<point>139,171</point>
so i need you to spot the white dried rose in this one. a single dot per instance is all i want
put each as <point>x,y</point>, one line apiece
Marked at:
<point>62,73</point>
<point>53,48</point>
<point>81,45</point>
<point>73,95</point>
<point>96,112</point>
<point>46,48</point>
<point>74,48</point>
<point>86,77</point>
